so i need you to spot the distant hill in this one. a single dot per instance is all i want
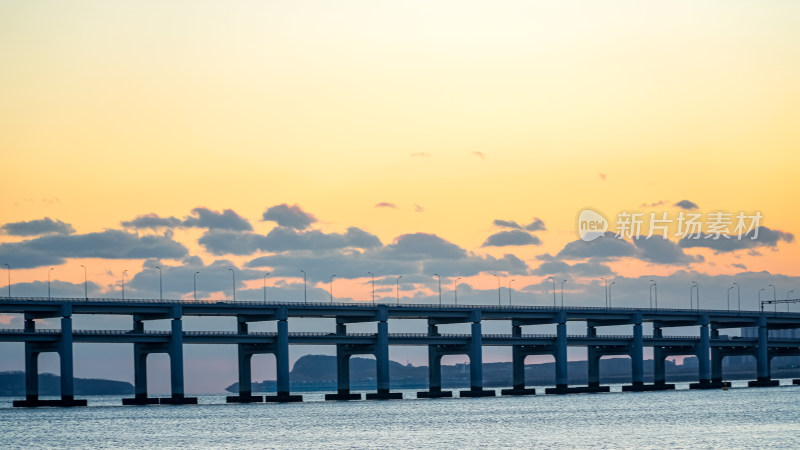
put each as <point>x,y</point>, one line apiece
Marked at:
<point>318,372</point>
<point>13,384</point>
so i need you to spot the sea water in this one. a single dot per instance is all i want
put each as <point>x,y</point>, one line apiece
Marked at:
<point>736,418</point>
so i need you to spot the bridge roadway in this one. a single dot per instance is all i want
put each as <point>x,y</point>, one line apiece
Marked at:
<point>710,347</point>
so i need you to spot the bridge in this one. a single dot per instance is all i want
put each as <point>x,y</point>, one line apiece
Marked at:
<point>710,347</point>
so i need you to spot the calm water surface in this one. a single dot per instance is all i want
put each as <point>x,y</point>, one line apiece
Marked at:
<point>737,418</point>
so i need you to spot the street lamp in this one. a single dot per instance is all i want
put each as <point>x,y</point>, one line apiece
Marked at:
<point>194,284</point>
<point>759,299</point>
<point>788,297</point>
<point>498,290</point>
<point>605,289</point>
<point>654,290</point>
<point>691,295</point>
<point>373,286</point>
<point>455,289</point>
<point>123,283</point>
<point>554,290</point>
<point>85,283</point>
<point>440,287</point>
<point>48,282</point>
<point>265,286</point>
<point>330,285</point>
<point>509,292</point>
<point>738,296</point>
<point>562,293</point>
<point>9,279</point>
<point>233,278</point>
<point>305,293</point>
<point>774,297</point>
<point>609,292</point>
<point>160,285</point>
<point>397,289</point>
<point>729,298</point>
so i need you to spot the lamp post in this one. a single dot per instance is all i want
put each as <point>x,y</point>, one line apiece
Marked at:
<point>305,293</point>
<point>123,283</point>
<point>194,284</point>
<point>691,296</point>
<point>233,282</point>
<point>654,290</point>
<point>85,283</point>
<point>160,285</point>
<point>265,286</point>
<point>373,286</point>
<point>738,295</point>
<point>498,290</point>
<point>759,299</point>
<point>330,286</point>
<point>729,298</point>
<point>774,297</point>
<point>509,292</point>
<point>455,289</point>
<point>9,279</point>
<point>562,293</point>
<point>397,289</point>
<point>788,297</point>
<point>554,290</point>
<point>48,282</point>
<point>609,292</point>
<point>605,289</point>
<point>440,287</point>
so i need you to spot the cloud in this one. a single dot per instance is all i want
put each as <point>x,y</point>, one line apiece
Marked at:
<point>602,176</point>
<point>507,224</point>
<point>740,266</point>
<point>652,205</point>
<point>583,269</point>
<point>418,208</point>
<point>479,155</point>
<point>421,155</point>
<point>767,237</point>
<point>686,204</point>
<point>37,227</point>
<point>152,221</point>
<point>513,237</point>
<point>536,225</point>
<point>109,244</point>
<point>604,247</point>
<point>290,216</point>
<point>423,246</point>
<point>214,220</point>
<point>386,205</point>
<point>659,250</point>
<point>220,242</point>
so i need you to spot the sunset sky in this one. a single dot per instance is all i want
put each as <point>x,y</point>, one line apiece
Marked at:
<point>402,138</point>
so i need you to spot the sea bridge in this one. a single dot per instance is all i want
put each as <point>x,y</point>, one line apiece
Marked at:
<point>710,347</point>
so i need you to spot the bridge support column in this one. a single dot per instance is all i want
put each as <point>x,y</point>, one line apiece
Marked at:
<point>284,394</point>
<point>244,358</point>
<point>659,359</point>
<point>716,363</point>
<point>434,369</point>
<point>560,353</point>
<point>637,360</point>
<point>703,353</point>
<point>517,368</point>
<point>762,357</point>
<point>382,362</point>
<point>176,367</point>
<point>64,349</point>
<point>342,370</point>
<point>139,372</point>
<point>476,362</point>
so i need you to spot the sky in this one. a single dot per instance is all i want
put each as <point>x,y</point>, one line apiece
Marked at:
<point>460,138</point>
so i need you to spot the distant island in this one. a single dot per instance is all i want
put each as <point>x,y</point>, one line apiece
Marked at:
<point>12,384</point>
<point>318,372</point>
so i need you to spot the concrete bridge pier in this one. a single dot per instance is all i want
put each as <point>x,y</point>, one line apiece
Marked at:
<point>762,357</point>
<point>176,367</point>
<point>343,354</point>
<point>476,362</point>
<point>637,360</point>
<point>518,368</point>
<point>435,353</point>
<point>140,353</point>
<point>63,346</point>
<point>283,394</point>
<point>244,357</point>
<point>593,355</point>
<point>659,363</point>
<point>703,353</point>
<point>382,362</point>
<point>560,354</point>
